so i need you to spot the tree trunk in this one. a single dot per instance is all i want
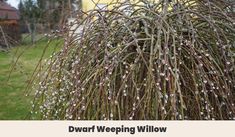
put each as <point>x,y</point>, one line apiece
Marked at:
<point>32,28</point>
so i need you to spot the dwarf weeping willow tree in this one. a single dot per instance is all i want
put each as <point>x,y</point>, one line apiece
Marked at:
<point>163,60</point>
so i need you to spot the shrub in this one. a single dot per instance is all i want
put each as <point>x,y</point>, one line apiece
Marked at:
<point>152,61</point>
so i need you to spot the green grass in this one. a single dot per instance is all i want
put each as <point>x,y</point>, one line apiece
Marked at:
<point>14,104</point>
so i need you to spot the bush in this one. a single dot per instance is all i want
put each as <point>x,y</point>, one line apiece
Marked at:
<point>151,61</point>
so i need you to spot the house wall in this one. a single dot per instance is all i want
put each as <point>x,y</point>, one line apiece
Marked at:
<point>9,30</point>
<point>90,4</point>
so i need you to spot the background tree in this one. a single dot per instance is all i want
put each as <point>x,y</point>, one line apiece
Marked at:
<point>49,14</point>
<point>54,13</point>
<point>30,13</point>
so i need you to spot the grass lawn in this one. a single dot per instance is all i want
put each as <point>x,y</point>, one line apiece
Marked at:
<point>14,104</point>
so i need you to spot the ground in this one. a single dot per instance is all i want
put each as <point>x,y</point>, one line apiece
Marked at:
<point>14,104</point>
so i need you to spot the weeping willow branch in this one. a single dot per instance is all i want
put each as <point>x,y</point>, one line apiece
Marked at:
<point>143,61</point>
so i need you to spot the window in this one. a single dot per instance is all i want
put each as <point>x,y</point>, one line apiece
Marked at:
<point>102,6</point>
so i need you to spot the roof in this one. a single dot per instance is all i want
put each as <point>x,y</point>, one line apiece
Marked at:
<point>7,12</point>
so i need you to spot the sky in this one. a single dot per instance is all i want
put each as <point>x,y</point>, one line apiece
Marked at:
<point>13,3</point>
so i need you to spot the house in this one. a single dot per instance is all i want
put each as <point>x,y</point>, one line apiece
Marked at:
<point>9,26</point>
